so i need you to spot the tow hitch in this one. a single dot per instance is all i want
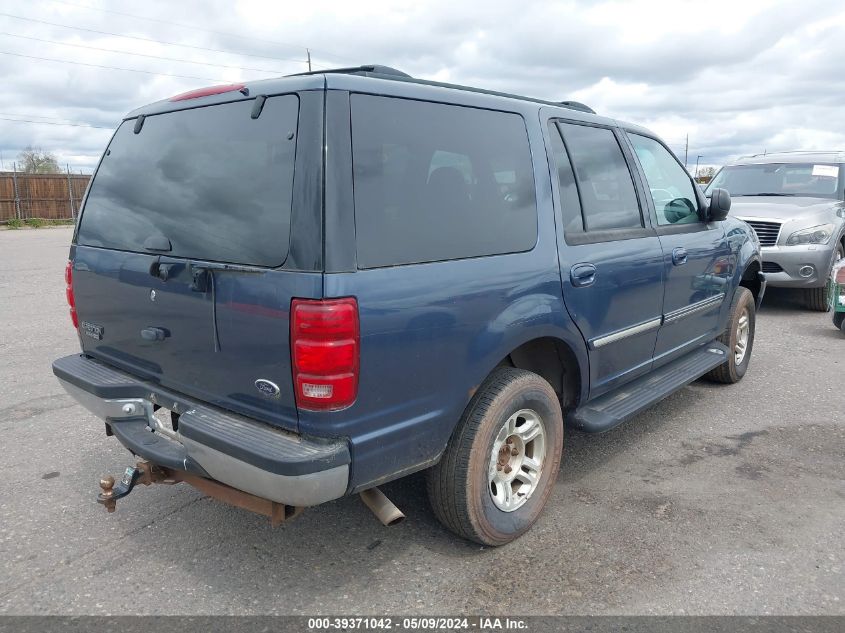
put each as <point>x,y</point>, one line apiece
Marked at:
<point>110,494</point>
<point>147,473</point>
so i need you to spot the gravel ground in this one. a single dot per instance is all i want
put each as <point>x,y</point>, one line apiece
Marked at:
<point>719,500</point>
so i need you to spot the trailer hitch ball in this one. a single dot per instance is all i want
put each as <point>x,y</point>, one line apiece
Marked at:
<point>106,497</point>
<point>111,492</point>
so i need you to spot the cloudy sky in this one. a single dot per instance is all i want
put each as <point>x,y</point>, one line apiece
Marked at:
<point>737,76</point>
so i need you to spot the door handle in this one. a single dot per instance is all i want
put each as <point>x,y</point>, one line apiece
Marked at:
<point>582,275</point>
<point>154,334</point>
<point>679,256</point>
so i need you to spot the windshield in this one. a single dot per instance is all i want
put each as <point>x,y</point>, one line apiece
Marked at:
<point>213,181</point>
<point>779,179</point>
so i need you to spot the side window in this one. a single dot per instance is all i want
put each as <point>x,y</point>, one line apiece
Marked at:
<point>434,182</point>
<point>569,202</point>
<point>608,198</point>
<point>670,185</point>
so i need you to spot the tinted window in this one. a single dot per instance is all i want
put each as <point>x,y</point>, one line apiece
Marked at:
<point>608,199</point>
<point>212,180</point>
<point>569,202</point>
<point>669,183</point>
<point>436,182</point>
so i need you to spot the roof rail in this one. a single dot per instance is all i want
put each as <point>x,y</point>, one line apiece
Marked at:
<point>795,151</point>
<point>577,105</point>
<point>367,69</point>
<point>387,72</point>
<point>837,155</point>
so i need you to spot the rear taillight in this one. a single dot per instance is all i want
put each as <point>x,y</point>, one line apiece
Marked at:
<point>325,351</point>
<point>840,275</point>
<point>71,300</point>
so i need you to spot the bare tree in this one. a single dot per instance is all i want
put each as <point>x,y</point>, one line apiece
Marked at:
<point>37,161</point>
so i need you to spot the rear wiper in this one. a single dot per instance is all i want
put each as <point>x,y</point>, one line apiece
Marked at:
<point>200,273</point>
<point>219,267</point>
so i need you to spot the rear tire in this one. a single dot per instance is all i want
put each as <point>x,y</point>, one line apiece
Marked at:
<point>818,299</point>
<point>738,337</point>
<point>513,425</point>
<point>839,320</point>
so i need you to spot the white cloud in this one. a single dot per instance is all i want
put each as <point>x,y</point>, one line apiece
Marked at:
<point>737,77</point>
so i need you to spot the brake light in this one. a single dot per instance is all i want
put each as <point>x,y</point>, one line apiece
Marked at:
<point>325,352</point>
<point>71,300</point>
<point>206,92</point>
<point>840,275</point>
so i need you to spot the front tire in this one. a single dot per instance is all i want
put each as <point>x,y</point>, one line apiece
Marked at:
<point>502,461</point>
<point>738,337</point>
<point>818,299</point>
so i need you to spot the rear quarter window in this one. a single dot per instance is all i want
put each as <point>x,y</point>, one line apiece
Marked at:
<point>435,182</point>
<point>212,180</point>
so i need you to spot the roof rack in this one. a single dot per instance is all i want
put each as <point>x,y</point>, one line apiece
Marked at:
<point>577,105</point>
<point>388,72</point>
<point>368,69</point>
<point>795,151</point>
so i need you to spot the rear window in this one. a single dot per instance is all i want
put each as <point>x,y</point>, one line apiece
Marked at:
<point>436,182</point>
<point>214,181</point>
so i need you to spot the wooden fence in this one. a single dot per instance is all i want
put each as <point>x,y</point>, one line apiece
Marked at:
<point>48,196</point>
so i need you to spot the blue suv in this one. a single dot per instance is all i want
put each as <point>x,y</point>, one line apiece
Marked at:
<point>299,289</point>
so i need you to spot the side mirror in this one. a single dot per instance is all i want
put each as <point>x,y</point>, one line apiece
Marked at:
<point>720,204</point>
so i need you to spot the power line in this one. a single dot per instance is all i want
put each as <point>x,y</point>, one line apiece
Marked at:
<point>111,50</point>
<point>98,127</point>
<point>149,39</point>
<point>131,70</point>
<point>199,28</point>
<point>35,116</point>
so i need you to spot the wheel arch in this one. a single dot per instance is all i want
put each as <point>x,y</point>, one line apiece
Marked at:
<point>750,278</point>
<point>554,360</point>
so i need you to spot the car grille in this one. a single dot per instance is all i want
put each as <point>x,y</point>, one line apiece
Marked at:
<point>771,267</point>
<point>767,232</point>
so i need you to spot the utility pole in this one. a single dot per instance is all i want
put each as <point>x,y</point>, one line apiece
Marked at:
<point>308,52</point>
<point>697,158</point>
<point>686,152</point>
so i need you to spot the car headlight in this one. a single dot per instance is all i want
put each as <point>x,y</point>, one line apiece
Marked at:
<point>814,235</point>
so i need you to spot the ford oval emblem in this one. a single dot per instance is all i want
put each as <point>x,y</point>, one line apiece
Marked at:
<point>269,389</point>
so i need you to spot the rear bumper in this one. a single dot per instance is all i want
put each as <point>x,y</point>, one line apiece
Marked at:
<point>210,442</point>
<point>792,259</point>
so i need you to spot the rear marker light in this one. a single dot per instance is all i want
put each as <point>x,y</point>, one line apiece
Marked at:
<point>325,352</point>
<point>71,300</point>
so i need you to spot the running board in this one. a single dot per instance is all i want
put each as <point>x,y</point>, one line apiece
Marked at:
<point>612,409</point>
